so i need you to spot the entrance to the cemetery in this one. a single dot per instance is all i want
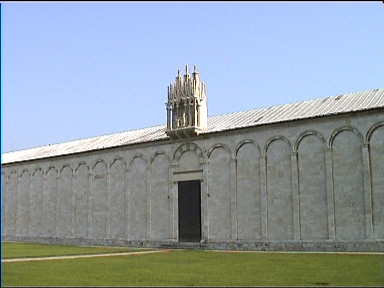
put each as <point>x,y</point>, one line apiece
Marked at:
<point>189,211</point>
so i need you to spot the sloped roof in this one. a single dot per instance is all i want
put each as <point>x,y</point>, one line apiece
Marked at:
<point>359,101</point>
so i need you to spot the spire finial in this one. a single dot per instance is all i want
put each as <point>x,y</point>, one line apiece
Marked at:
<point>187,104</point>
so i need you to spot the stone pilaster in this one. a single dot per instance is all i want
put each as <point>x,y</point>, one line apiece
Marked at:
<point>264,197</point>
<point>367,193</point>
<point>295,196</point>
<point>233,206</point>
<point>330,195</point>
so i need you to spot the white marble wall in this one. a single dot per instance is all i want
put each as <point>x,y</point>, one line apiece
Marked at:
<point>310,180</point>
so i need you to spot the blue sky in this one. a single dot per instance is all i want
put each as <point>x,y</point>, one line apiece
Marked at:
<point>75,70</point>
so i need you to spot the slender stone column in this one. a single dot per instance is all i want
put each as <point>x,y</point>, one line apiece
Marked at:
<point>264,197</point>
<point>73,230</point>
<point>89,203</point>
<point>330,195</point>
<point>5,203</point>
<point>108,214</point>
<point>148,204</point>
<point>126,203</point>
<point>233,212</point>
<point>367,192</point>
<point>295,196</point>
<point>174,202</point>
<point>204,203</point>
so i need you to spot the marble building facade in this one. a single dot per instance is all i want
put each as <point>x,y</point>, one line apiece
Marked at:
<point>302,176</point>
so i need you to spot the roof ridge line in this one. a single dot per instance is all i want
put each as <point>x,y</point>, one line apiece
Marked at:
<point>297,102</point>
<point>80,139</point>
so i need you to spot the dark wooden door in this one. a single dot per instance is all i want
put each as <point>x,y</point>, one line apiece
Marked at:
<point>189,211</point>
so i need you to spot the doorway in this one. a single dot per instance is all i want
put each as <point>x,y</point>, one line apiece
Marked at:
<point>189,211</point>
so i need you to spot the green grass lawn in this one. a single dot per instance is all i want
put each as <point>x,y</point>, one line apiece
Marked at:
<point>23,250</point>
<point>202,268</point>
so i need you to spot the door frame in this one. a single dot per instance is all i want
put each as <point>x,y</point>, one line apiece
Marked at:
<point>189,175</point>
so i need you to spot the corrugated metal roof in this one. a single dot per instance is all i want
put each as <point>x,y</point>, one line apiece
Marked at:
<point>308,109</point>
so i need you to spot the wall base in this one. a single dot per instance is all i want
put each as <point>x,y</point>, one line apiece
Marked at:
<point>362,245</point>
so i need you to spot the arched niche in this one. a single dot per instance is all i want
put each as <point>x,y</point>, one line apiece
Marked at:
<point>219,213</point>
<point>65,203</point>
<point>159,198</point>
<point>23,204</point>
<point>81,195</point>
<point>49,203</point>
<point>337,131</point>
<point>4,202</point>
<point>376,155</point>
<point>188,156</point>
<point>37,187</point>
<point>99,201</point>
<point>348,184</point>
<point>248,198</point>
<point>137,198</point>
<point>11,190</point>
<point>117,199</point>
<point>279,189</point>
<point>312,186</point>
